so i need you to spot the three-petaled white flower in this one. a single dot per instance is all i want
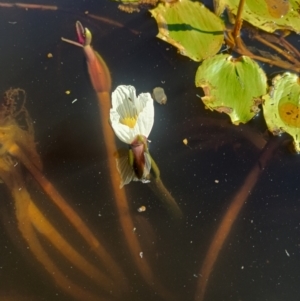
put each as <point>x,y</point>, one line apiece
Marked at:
<point>132,120</point>
<point>131,116</point>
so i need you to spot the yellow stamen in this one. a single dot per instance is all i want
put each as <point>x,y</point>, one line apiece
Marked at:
<point>129,121</point>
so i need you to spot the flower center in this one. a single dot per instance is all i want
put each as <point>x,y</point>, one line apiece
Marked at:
<point>129,121</point>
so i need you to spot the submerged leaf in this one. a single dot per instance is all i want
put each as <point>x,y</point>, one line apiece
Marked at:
<point>232,86</point>
<point>191,27</point>
<point>282,107</point>
<point>268,15</point>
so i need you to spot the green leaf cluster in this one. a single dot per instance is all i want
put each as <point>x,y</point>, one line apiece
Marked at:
<point>242,80</point>
<point>268,15</point>
<point>191,27</point>
<point>282,107</point>
<point>237,86</point>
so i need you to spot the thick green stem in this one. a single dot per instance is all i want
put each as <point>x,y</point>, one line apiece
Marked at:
<point>163,193</point>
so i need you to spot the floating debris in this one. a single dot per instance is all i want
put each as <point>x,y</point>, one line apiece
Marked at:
<point>141,254</point>
<point>159,95</point>
<point>68,92</point>
<point>129,7</point>
<point>74,100</point>
<point>142,209</point>
<point>49,55</point>
<point>185,142</point>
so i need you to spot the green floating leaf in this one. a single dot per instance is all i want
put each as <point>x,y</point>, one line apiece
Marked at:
<point>232,86</point>
<point>191,27</point>
<point>282,106</point>
<point>268,15</point>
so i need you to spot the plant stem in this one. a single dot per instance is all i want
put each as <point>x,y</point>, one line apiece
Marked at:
<point>279,50</point>
<point>163,193</point>
<point>230,216</point>
<point>238,20</point>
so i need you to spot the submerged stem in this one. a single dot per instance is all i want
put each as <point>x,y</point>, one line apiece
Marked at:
<point>111,267</point>
<point>165,196</point>
<point>277,49</point>
<point>120,198</point>
<point>230,216</point>
<point>12,177</point>
<point>163,193</point>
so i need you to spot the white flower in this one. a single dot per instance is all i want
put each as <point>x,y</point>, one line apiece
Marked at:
<point>131,116</point>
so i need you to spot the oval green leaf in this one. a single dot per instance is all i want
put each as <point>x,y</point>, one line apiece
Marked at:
<point>282,107</point>
<point>268,15</point>
<point>191,27</point>
<point>232,86</point>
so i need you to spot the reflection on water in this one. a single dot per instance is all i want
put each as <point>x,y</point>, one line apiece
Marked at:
<point>65,235</point>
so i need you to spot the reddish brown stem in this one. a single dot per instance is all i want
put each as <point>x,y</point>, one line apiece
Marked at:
<point>230,216</point>
<point>238,20</point>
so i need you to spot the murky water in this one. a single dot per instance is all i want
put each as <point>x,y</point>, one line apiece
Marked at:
<point>260,258</point>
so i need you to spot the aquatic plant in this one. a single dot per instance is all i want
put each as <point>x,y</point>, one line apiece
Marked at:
<point>18,149</point>
<point>132,119</point>
<point>231,84</point>
<point>236,85</point>
<point>100,78</point>
<point>225,80</point>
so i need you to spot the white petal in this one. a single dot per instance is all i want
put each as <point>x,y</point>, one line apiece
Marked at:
<point>123,132</point>
<point>126,104</point>
<point>145,119</point>
<point>123,101</point>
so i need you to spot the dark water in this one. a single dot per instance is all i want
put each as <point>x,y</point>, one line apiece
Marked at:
<point>259,261</point>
